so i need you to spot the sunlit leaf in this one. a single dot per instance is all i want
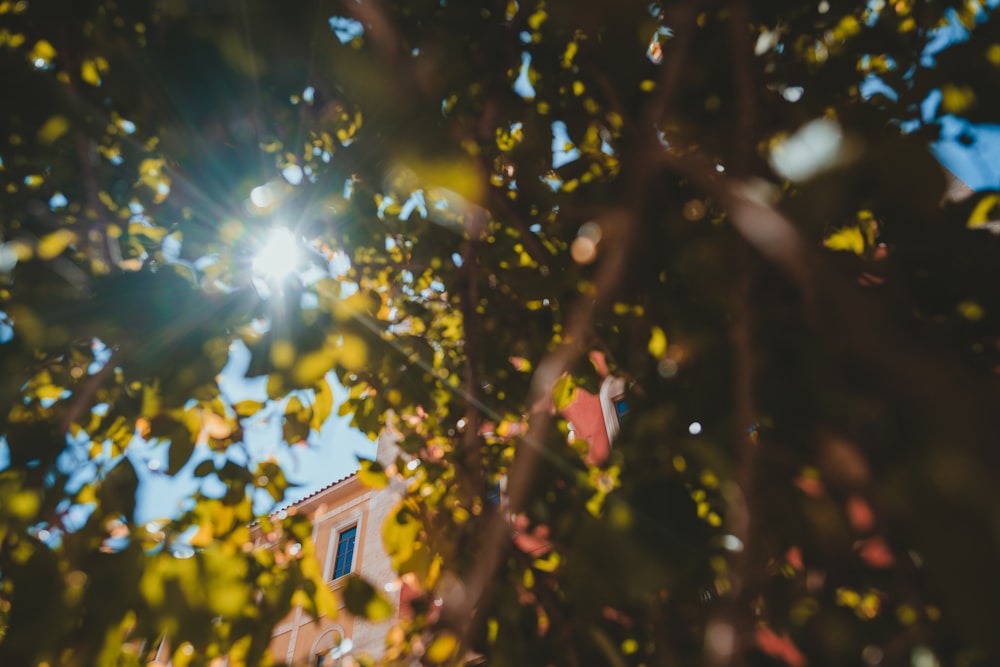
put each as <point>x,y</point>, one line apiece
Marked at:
<point>53,129</point>
<point>849,239</point>
<point>564,392</point>
<point>362,600</point>
<point>54,244</point>
<point>442,648</point>
<point>984,212</point>
<point>372,474</point>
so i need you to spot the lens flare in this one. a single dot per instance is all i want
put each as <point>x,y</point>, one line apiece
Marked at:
<point>278,256</point>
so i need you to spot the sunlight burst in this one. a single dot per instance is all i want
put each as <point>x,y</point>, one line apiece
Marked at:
<point>278,256</point>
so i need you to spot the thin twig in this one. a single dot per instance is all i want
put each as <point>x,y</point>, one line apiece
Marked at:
<point>81,398</point>
<point>637,171</point>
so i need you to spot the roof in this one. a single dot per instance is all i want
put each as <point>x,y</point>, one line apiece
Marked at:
<point>312,495</point>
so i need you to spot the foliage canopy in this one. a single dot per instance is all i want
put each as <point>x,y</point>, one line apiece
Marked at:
<point>734,203</point>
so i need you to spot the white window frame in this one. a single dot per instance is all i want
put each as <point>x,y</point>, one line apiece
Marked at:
<point>336,529</point>
<point>612,389</point>
<point>339,652</point>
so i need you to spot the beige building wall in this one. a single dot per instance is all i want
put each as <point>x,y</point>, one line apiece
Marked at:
<point>347,503</point>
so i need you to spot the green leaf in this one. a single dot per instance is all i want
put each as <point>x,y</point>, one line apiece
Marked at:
<point>322,405</point>
<point>181,437</point>
<point>372,474</point>
<point>564,392</point>
<point>247,408</point>
<point>362,600</point>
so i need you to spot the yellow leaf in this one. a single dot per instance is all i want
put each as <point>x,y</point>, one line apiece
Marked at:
<point>42,51</point>
<point>23,505</point>
<point>569,54</point>
<point>563,392</point>
<point>155,234</point>
<point>89,73</point>
<point>373,475</point>
<point>511,10</point>
<point>151,399</point>
<point>203,537</point>
<point>247,408</point>
<point>54,128</point>
<point>657,342</point>
<point>971,310</point>
<point>981,213</point>
<point>848,598</point>
<point>323,405</point>
<point>993,54</point>
<point>312,366</point>
<point>54,244</point>
<point>48,392</point>
<point>378,609</point>
<point>275,385</point>
<point>282,353</point>
<point>86,495</point>
<point>849,238</point>
<point>271,147</point>
<point>443,648</point>
<point>547,564</point>
<point>956,99</point>
<point>537,19</point>
<point>353,353</point>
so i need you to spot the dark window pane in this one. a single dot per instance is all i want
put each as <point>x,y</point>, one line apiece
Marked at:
<point>345,552</point>
<point>621,409</point>
<point>493,495</point>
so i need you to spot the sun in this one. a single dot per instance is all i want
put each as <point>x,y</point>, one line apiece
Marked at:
<point>279,255</point>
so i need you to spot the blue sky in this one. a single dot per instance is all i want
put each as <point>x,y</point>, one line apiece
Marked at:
<point>329,455</point>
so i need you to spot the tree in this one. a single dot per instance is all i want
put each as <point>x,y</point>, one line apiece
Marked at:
<point>734,203</point>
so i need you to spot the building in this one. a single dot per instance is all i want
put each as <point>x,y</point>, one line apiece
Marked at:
<point>347,531</point>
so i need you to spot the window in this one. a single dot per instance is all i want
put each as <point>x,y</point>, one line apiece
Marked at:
<point>621,409</point>
<point>344,559</point>
<point>614,405</point>
<point>494,494</point>
<point>330,647</point>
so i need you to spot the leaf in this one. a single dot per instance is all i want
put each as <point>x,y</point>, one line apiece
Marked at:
<point>53,245</point>
<point>42,52</point>
<point>276,387</point>
<point>270,477</point>
<point>204,469</point>
<point>181,437</point>
<point>399,534</point>
<point>89,73</point>
<point>372,474</point>
<point>443,648</point>
<point>53,129</point>
<point>564,392</point>
<point>247,408</point>
<point>984,211</point>
<point>49,392</point>
<point>547,564</point>
<point>657,342</point>
<point>296,424</point>
<point>322,405</point>
<point>362,600</point>
<point>849,238</point>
